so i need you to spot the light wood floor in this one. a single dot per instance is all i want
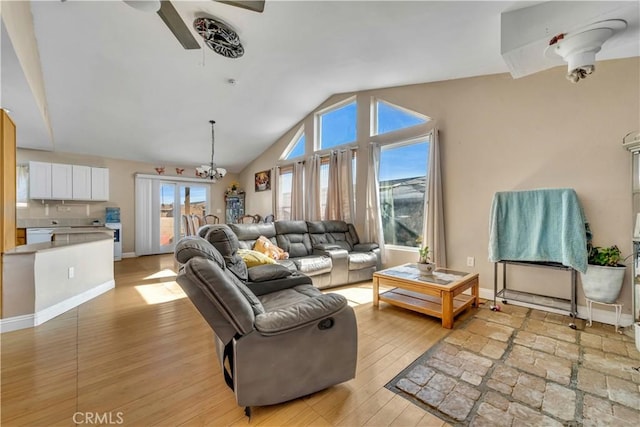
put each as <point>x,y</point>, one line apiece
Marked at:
<point>142,354</point>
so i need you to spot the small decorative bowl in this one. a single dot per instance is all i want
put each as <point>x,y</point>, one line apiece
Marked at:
<point>426,268</point>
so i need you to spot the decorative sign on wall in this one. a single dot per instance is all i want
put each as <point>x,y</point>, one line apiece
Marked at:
<point>263,180</point>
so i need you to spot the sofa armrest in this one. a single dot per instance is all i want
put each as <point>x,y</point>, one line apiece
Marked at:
<point>339,261</point>
<point>269,286</point>
<point>365,247</point>
<point>299,315</point>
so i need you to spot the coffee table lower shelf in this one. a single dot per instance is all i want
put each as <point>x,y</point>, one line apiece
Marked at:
<point>425,304</point>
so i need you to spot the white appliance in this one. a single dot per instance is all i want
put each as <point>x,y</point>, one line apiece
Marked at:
<point>117,239</point>
<point>39,235</point>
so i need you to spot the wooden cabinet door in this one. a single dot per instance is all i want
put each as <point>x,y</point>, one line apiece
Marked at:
<point>39,180</point>
<point>81,182</point>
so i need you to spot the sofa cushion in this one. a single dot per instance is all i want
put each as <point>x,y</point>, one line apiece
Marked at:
<point>226,242</point>
<point>288,263</point>
<point>360,260</point>
<point>262,273</point>
<point>248,233</point>
<point>336,232</point>
<point>230,300</point>
<point>288,297</point>
<point>194,246</point>
<point>297,244</point>
<point>254,258</point>
<point>313,265</point>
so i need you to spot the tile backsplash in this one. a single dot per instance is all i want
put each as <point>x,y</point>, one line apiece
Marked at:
<point>38,214</point>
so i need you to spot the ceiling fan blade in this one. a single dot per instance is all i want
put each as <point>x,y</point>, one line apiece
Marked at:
<point>177,26</point>
<point>253,5</point>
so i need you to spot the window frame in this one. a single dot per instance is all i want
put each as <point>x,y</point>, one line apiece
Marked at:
<point>403,143</point>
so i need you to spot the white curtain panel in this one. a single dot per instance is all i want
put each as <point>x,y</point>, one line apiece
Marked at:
<point>297,191</point>
<point>144,218</point>
<point>275,191</point>
<point>340,191</point>
<point>434,209</point>
<point>312,189</point>
<point>373,220</point>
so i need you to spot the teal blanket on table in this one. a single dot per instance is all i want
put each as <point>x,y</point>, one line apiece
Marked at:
<point>538,225</point>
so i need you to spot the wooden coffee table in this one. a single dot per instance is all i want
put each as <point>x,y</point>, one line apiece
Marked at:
<point>439,294</point>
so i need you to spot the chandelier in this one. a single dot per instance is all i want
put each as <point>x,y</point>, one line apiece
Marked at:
<point>211,171</point>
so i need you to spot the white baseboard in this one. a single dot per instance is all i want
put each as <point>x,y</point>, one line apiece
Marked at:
<point>598,314</point>
<point>128,255</point>
<point>17,322</point>
<point>38,318</point>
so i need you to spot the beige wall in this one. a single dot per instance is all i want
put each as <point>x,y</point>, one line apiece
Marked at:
<point>500,134</point>
<point>121,190</point>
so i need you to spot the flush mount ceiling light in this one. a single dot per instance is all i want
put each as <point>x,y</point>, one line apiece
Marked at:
<point>579,48</point>
<point>211,171</point>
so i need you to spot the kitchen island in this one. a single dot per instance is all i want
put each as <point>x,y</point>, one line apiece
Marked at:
<point>44,280</point>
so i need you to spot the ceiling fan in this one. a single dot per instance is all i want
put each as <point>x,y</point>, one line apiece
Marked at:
<point>172,19</point>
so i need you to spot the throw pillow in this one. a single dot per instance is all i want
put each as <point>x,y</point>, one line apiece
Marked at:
<point>266,247</point>
<point>253,258</point>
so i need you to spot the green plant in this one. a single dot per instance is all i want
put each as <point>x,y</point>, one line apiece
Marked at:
<point>609,257</point>
<point>424,253</point>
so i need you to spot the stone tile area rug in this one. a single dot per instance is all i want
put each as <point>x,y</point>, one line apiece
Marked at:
<point>527,367</point>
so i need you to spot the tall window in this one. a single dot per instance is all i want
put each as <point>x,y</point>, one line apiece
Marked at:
<point>337,126</point>
<point>324,186</point>
<point>284,193</point>
<point>403,183</point>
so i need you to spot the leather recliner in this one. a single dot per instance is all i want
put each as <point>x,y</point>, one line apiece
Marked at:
<point>289,341</point>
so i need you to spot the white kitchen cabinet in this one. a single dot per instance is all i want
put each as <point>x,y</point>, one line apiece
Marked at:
<point>99,184</point>
<point>67,182</point>
<point>61,181</point>
<point>81,182</point>
<point>39,180</point>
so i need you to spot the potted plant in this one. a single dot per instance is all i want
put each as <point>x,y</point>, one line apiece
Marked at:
<point>604,277</point>
<point>424,264</point>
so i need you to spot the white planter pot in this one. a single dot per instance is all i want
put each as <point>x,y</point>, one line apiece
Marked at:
<point>602,284</point>
<point>426,268</point>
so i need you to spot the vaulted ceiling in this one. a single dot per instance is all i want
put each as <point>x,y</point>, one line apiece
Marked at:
<point>119,84</point>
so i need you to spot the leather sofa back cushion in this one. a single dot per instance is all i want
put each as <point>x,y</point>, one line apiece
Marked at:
<point>223,292</point>
<point>336,232</point>
<point>292,237</point>
<point>194,246</point>
<point>226,242</point>
<point>253,231</point>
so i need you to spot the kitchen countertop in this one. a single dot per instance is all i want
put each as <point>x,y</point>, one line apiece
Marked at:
<point>47,246</point>
<point>87,229</point>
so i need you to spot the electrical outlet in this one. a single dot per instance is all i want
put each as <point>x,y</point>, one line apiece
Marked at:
<point>471,261</point>
<point>72,272</point>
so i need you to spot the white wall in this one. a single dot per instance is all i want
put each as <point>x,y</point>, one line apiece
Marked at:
<point>500,134</point>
